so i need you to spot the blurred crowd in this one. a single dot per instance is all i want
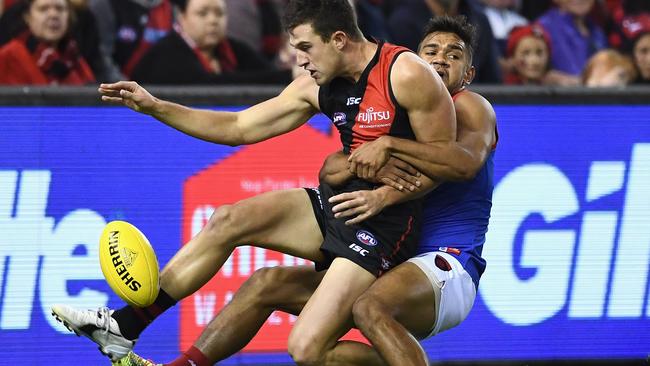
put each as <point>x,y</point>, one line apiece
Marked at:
<point>594,43</point>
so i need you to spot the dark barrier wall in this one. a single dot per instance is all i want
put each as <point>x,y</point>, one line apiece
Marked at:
<point>568,248</point>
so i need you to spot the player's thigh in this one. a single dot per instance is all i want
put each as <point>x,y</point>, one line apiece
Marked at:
<point>328,313</point>
<point>280,220</point>
<point>408,295</point>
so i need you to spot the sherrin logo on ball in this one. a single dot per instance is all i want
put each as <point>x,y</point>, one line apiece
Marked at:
<point>129,263</point>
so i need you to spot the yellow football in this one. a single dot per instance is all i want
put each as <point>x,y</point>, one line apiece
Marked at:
<point>129,263</point>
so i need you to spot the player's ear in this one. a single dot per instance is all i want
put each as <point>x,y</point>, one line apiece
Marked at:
<point>339,39</point>
<point>469,75</point>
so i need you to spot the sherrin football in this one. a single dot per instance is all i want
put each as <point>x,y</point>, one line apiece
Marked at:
<point>129,263</point>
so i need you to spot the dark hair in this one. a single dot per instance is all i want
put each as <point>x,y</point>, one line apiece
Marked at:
<point>180,4</point>
<point>457,25</point>
<point>325,16</point>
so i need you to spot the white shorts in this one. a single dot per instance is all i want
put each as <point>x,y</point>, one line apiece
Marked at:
<point>457,290</point>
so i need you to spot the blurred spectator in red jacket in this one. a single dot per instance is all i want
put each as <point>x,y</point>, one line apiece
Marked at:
<point>44,53</point>
<point>528,54</point>
<point>83,30</point>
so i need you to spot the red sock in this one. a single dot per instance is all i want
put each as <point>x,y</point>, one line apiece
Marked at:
<point>191,357</point>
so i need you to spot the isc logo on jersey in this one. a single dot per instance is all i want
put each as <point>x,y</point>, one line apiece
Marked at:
<point>129,263</point>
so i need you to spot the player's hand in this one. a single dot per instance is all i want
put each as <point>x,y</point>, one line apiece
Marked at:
<point>366,160</point>
<point>130,94</point>
<point>399,175</point>
<point>357,206</point>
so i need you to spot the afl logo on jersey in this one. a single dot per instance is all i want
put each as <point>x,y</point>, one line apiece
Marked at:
<point>366,238</point>
<point>339,118</point>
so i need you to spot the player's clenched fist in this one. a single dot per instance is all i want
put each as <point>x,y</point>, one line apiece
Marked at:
<point>130,94</point>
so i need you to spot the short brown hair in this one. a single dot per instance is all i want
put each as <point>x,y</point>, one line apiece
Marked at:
<point>325,16</point>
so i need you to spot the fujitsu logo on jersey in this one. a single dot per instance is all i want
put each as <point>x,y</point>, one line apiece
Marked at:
<point>370,116</point>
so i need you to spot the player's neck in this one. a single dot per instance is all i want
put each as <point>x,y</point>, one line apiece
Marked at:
<point>361,53</point>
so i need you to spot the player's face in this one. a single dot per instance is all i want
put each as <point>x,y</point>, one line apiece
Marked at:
<point>449,56</point>
<point>319,58</point>
<point>204,21</point>
<point>48,19</point>
<point>642,56</point>
<point>531,58</point>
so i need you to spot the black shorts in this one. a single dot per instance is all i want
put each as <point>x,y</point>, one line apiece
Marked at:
<point>376,244</point>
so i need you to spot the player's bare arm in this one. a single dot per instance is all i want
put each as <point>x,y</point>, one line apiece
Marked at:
<point>423,95</point>
<point>396,173</point>
<point>455,160</point>
<point>476,136</point>
<point>450,160</point>
<point>278,115</point>
<point>360,205</point>
<point>335,170</point>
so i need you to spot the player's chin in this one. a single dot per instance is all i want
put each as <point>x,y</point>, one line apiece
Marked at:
<point>320,80</point>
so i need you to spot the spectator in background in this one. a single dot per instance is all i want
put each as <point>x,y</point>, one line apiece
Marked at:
<point>574,37</point>
<point>635,41</point>
<point>197,51</point>
<point>641,55</point>
<point>502,19</point>
<point>287,59</point>
<point>625,17</point>
<point>258,25</point>
<point>528,53</point>
<point>6,4</point>
<point>371,19</point>
<point>83,29</point>
<point>533,9</point>
<point>44,54</point>
<point>408,19</point>
<point>128,28</point>
<point>608,68</point>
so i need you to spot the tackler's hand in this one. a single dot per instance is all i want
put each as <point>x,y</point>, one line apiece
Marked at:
<point>399,175</point>
<point>367,159</point>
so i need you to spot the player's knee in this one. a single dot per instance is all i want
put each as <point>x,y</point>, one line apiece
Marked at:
<point>265,283</point>
<point>223,224</point>
<point>368,311</point>
<point>303,349</point>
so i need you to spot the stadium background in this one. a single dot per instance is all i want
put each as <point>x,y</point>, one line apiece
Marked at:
<point>568,249</point>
